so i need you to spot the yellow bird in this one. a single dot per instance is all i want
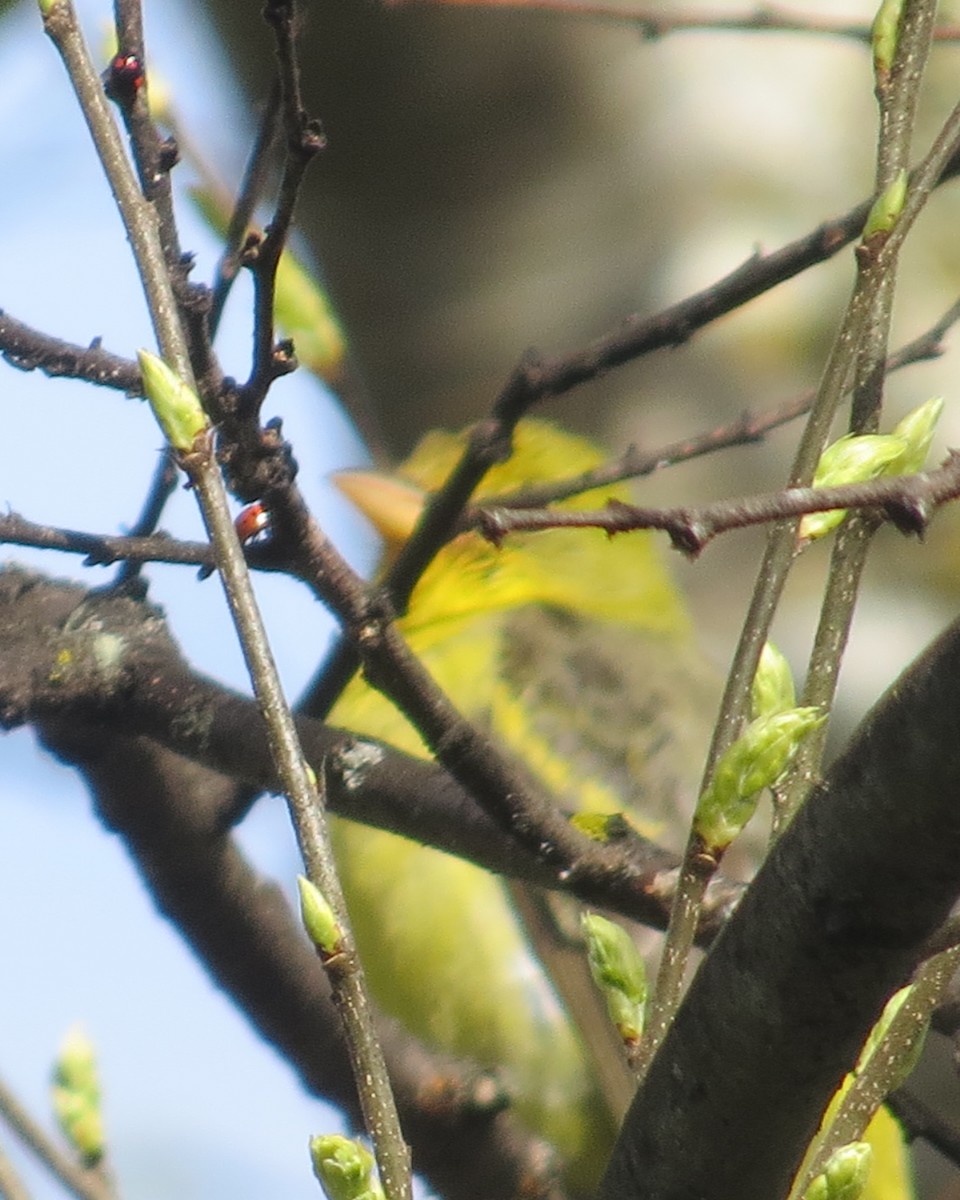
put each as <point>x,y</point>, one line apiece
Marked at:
<point>574,650</point>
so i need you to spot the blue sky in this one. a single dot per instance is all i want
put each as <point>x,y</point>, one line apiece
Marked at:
<point>195,1105</point>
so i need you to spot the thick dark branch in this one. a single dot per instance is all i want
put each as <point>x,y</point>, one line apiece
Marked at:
<point>67,653</point>
<point>833,924</point>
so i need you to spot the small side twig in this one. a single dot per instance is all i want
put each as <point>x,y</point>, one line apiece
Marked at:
<point>749,428</point>
<point>304,139</point>
<point>162,487</point>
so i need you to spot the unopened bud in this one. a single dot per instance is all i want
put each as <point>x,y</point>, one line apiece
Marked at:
<point>175,405</point>
<point>757,760</point>
<point>887,208</point>
<point>619,973</point>
<point>916,431</point>
<point>854,458</point>
<point>884,35</point>
<point>343,1168</point>
<point>773,689</point>
<point>76,1096</point>
<point>845,1175</point>
<point>318,917</point>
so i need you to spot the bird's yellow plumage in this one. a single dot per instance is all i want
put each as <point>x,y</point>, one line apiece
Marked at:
<point>575,651</point>
<point>535,640</point>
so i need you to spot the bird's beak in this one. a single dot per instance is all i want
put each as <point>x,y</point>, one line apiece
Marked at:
<point>392,506</point>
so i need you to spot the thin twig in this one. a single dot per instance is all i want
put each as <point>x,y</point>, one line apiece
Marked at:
<point>29,349</point>
<point>153,160</point>
<point>162,487</point>
<point>103,549</point>
<point>750,427</point>
<point>139,217</point>
<point>307,813</point>
<point>300,786</point>
<point>304,139</point>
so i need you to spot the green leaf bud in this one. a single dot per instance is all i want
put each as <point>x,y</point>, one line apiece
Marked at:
<point>619,972</point>
<point>887,207</point>
<point>845,1175</point>
<point>757,759</point>
<point>773,689</point>
<point>884,35</point>
<point>318,918</point>
<point>175,405</point>
<point>854,458</point>
<point>343,1168</point>
<point>857,458</point>
<point>601,827</point>
<point>76,1096</point>
<point>916,431</point>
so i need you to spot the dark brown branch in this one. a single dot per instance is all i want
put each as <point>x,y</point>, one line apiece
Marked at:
<point>909,501</point>
<point>55,639</point>
<point>834,923</point>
